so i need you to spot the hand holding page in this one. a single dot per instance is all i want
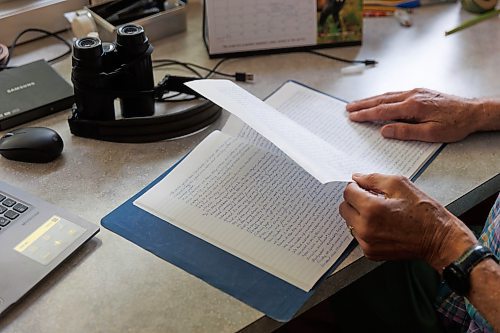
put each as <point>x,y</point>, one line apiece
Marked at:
<point>241,193</point>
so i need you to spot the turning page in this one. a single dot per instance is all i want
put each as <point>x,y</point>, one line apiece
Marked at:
<point>313,129</point>
<point>256,205</point>
<point>325,162</point>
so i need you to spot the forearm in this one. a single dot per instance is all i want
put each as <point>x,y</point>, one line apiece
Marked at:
<point>485,291</point>
<point>404,223</point>
<point>487,114</point>
<point>450,240</point>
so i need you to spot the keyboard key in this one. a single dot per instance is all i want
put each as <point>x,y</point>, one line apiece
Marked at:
<point>20,208</point>
<point>2,209</point>
<point>4,221</point>
<point>2,197</point>
<point>11,214</point>
<point>8,202</point>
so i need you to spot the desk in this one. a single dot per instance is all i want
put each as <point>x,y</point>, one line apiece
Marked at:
<point>111,285</point>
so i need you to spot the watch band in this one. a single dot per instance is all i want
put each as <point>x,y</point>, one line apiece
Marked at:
<point>457,274</point>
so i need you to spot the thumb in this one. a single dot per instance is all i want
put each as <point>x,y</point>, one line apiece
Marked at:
<point>389,186</point>
<point>403,131</point>
<point>374,182</point>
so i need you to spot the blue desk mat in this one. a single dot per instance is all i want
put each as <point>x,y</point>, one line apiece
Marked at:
<point>236,277</point>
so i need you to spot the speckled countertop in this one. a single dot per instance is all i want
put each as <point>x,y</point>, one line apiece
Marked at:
<point>112,285</point>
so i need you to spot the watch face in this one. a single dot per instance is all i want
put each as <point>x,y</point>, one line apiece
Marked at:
<point>456,279</point>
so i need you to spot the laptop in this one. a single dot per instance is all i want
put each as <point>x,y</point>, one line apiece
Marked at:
<point>35,237</point>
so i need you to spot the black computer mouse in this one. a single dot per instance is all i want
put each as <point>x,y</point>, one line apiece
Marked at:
<point>31,144</point>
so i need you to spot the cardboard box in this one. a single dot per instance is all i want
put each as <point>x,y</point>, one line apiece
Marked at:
<point>157,26</point>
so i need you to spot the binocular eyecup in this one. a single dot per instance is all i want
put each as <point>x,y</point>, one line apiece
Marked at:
<point>103,72</point>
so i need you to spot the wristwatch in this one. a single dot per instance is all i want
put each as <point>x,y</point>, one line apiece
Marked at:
<point>457,274</point>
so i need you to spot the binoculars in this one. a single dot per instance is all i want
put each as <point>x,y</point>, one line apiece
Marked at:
<point>103,72</point>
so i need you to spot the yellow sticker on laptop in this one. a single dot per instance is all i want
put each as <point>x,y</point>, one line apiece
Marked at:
<point>49,240</point>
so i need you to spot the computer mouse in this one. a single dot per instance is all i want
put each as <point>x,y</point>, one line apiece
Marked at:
<point>31,144</point>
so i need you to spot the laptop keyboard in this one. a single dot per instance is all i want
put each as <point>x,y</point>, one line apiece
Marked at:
<point>10,210</point>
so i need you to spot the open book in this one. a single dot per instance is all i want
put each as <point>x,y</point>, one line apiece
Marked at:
<point>250,193</point>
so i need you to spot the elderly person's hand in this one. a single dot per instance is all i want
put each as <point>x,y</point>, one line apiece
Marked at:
<point>392,219</point>
<point>426,115</point>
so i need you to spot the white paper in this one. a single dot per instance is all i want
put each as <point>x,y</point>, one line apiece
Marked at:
<point>260,207</point>
<point>241,25</point>
<point>325,162</point>
<point>326,117</point>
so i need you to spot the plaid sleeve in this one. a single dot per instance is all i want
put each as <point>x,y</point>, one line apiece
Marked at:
<point>456,311</point>
<point>490,237</point>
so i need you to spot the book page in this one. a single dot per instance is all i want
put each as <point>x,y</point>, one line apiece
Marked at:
<point>241,25</point>
<point>258,206</point>
<point>326,117</point>
<point>323,161</point>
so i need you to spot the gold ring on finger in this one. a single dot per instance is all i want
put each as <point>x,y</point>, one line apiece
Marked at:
<point>351,230</point>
